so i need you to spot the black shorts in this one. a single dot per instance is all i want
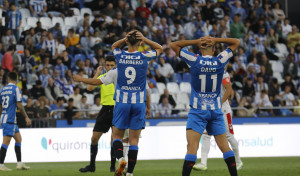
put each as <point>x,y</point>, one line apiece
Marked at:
<point>104,119</point>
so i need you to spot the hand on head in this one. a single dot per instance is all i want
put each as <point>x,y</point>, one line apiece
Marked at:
<point>206,41</point>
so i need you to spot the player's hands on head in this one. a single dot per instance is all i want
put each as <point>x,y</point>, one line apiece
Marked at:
<point>206,41</point>
<point>140,36</point>
<point>77,78</point>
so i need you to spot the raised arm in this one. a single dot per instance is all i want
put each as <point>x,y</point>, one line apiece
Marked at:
<point>176,46</point>
<point>232,43</point>
<point>118,44</point>
<point>157,47</point>
<point>90,81</point>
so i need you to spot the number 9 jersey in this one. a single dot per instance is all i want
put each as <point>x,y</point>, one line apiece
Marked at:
<point>206,78</point>
<point>132,75</point>
<point>9,96</point>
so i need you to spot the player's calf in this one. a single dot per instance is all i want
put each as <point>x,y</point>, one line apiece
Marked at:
<point>132,157</point>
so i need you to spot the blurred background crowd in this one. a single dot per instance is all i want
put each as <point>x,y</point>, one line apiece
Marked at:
<point>48,41</point>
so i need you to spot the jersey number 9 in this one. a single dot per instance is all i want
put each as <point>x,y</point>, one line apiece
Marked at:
<point>130,73</point>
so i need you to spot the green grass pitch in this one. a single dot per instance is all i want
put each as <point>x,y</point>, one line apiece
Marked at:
<point>285,166</point>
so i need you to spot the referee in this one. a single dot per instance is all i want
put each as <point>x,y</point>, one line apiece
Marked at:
<point>105,116</point>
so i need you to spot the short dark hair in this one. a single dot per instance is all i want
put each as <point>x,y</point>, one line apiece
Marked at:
<point>83,97</point>
<point>12,76</point>
<point>110,58</point>
<point>59,99</point>
<point>11,47</point>
<point>71,30</point>
<point>12,4</point>
<point>85,15</point>
<point>70,100</point>
<point>132,38</point>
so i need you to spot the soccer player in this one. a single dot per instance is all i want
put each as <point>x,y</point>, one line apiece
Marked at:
<point>104,118</point>
<point>10,99</point>
<point>226,91</point>
<point>130,95</point>
<point>206,79</point>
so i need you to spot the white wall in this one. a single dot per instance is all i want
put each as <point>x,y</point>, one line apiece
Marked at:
<point>73,144</point>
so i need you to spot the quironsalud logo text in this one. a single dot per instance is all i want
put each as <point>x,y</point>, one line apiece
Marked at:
<point>48,144</point>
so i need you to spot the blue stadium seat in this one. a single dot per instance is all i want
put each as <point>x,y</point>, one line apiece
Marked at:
<point>77,57</point>
<point>179,78</point>
<point>91,58</point>
<point>186,77</point>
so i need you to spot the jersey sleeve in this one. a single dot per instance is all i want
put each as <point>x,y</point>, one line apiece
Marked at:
<point>225,55</point>
<point>108,78</point>
<point>116,52</point>
<point>18,94</point>
<point>226,78</point>
<point>149,55</point>
<point>189,57</point>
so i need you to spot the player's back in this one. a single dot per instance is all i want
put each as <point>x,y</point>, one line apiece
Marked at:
<point>9,96</point>
<point>132,75</point>
<point>206,80</point>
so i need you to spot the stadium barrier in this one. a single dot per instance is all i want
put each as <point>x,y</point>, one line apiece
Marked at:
<point>73,144</point>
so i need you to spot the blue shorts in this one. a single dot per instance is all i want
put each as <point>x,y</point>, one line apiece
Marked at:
<point>10,129</point>
<point>130,116</point>
<point>211,120</point>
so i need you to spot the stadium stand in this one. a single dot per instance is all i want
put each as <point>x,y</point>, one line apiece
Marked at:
<point>270,47</point>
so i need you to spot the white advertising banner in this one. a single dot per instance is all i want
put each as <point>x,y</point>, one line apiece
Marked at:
<point>160,142</point>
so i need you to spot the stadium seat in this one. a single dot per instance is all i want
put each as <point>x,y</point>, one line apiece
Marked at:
<point>178,77</point>
<point>283,51</point>
<point>277,66</point>
<point>59,20</point>
<point>278,76</point>
<point>173,88</point>
<point>3,21</point>
<point>31,21</point>
<point>182,98</point>
<point>186,77</point>
<point>80,56</point>
<point>64,30</point>
<point>161,87</point>
<point>24,23</point>
<point>75,11</point>
<point>46,22</point>
<point>155,98</point>
<point>25,13</point>
<point>71,22</point>
<point>86,10</point>
<point>185,87</point>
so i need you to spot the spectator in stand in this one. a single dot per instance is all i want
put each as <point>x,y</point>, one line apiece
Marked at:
<point>287,96</point>
<point>96,23</point>
<point>164,108</point>
<point>57,106</point>
<point>88,69</point>
<point>72,42</point>
<point>272,40</point>
<point>56,31</point>
<point>84,106</point>
<point>60,48</point>
<point>259,11</point>
<point>42,111</point>
<point>86,27</point>
<point>248,91</point>
<point>290,67</point>
<point>37,90</point>
<point>38,8</point>
<point>237,9</point>
<point>85,43</point>
<point>293,38</point>
<point>286,28</point>
<point>50,45</point>
<point>70,114</point>
<point>288,82</point>
<point>261,85</point>
<point>166,71</point>
<point>273,89</point>
<point>277,12</point>
<point>76,97</point>
<point>8,39</point>
<point>44,77</point>
<point>262,101</point>
<point>30,110</point>
<point>143,8</point>
<point>237,29</point>
<point>52,91</point>
<point>86,17</point>
<point>15,21</point>
<point>170,98</point>
<point>96,107</point>
<point>7,61</point>
<point>60,67</point>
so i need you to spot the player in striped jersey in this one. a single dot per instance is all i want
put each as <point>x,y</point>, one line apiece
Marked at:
<point>206,79</point>
<point>226,91</point>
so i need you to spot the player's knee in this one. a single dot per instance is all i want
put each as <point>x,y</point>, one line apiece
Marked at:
<point>94,140</point>
<point>133,141</point>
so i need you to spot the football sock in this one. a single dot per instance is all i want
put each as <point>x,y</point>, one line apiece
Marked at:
<point>118,148</point>
<point>3,153</point>
<point>188,164</point>
<point>94,151</point>
<point>235,147</point>
<point>18,151</point>
<point>230,161</point>
<point>205,148</point>
<point>112,157</point>
<point>132,156</point>
<point>125,150</point>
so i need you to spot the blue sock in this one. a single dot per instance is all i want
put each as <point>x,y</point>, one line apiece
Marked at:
<point>228,154</point>
<point>190,157</point>
<point>4,146</point>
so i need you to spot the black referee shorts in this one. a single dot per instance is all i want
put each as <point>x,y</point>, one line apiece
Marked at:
<point>104,119</point>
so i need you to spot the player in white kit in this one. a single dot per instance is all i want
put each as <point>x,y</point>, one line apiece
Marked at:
<point>226,91</point>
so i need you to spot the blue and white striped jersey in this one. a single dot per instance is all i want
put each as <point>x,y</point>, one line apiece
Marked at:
<point>206,78</point>
<point>50,46</point>
<point>14,19</point>
<point>9,96</point>
<point>132,75</point>
<point>38,5</point>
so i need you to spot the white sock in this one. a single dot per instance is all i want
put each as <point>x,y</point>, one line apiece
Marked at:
<point>205,148</point>
<point>125,151</point>
<point>235,147</point>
